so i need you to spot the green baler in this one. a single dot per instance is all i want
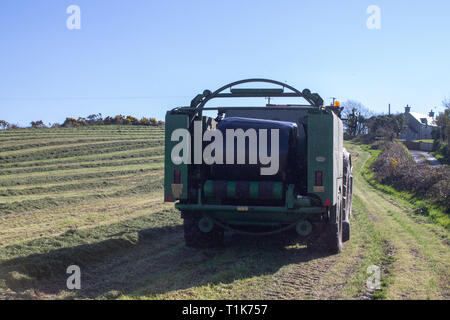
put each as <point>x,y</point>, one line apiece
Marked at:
<point>259,170</point>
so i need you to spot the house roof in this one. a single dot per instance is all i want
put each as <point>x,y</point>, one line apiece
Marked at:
<point>424,119</point>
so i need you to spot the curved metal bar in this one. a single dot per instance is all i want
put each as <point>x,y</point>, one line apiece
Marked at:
<point>201,103</point>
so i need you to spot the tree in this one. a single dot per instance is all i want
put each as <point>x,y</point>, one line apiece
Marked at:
<point>442,134</point>
<point>143,121</point>
<point>71,122</point>
<point>385,126</point>
<point>38,124</point>
<point>119,119</point>
<point>99,118</point>
<point>443,121</point>
<point>82,121</point>
<point>4,124</point>
<point>108,120</point>
<point>95,119</point>
<point>356,115</point>
<point>131,120</point>
<point>92,118</point>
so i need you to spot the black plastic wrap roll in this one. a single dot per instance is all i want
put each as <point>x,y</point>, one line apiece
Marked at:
<point>252,172</point>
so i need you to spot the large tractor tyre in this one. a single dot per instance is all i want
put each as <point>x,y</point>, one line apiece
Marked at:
<point>345,230</point>
<point>350,197</point>
<point>196,238</point>
<point>333,234</point>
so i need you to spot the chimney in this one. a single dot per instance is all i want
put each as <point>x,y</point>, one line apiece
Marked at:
<point>431,114</point>
<point>407,109</point>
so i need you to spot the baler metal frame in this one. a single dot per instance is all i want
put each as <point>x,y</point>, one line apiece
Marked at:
<point>199,102</point>
<point>241,215</point>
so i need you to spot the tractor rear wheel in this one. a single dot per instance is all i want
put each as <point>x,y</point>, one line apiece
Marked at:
<point>345,230</point>
<point>196,238</point>
<point>333,234</point>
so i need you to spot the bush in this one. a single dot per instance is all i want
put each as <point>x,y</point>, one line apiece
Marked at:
<point>441,151</point>
<point>395,167</point>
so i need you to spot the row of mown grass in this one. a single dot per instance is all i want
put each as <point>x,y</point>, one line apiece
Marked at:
<point>67,151</point>
<point>91,163</point>
<point>104,155</point>
<point>80,164</point>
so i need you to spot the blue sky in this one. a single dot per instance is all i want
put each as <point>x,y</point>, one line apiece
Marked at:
<point>144,57</point>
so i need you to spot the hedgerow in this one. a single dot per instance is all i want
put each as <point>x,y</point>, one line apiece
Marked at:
<point>396,167</point>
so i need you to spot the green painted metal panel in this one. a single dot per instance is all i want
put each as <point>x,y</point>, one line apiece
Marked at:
<point>320,154</point>
<point>254,223</point>
<point>174,191</point>
<point>208,189</point>
<point>278,190</point>
<point>290,197</point>
<point>325,144</point>
<point>248,209</point>
<point>253,215</point>
<point>338,165</point>
<point>231,189</point>
<point>253,190</point>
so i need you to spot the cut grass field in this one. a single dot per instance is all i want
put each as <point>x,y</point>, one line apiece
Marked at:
<point>92,196</point>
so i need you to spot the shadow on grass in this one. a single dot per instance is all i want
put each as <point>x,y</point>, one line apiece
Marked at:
<point>147,262</point>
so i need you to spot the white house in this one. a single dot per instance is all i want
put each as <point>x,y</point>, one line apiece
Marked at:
<point>418,126</point>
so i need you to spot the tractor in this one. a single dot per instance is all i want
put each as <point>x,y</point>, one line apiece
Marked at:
<point>259,170</point>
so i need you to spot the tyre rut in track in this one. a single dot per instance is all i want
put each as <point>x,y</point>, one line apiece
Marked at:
<point>302,280</point>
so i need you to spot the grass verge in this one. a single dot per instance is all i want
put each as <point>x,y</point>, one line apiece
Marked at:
<point>420,206</point>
